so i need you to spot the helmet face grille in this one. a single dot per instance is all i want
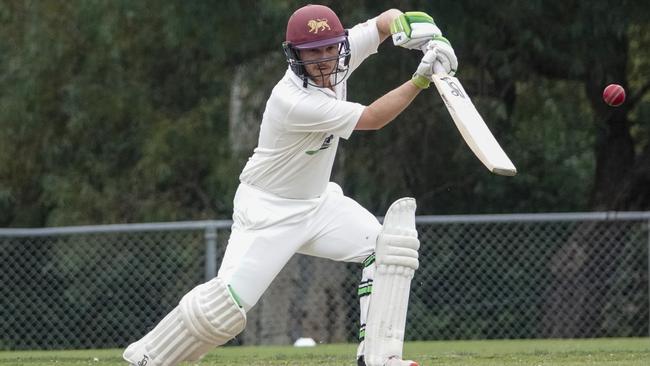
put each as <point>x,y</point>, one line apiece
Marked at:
<point>298,66</point>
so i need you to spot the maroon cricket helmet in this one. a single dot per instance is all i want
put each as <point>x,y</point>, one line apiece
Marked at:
<point>314,26</point>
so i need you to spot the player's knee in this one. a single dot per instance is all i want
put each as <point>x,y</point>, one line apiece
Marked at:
<point>398,243</point>
<point>398,250</point>
<point>212,313</point>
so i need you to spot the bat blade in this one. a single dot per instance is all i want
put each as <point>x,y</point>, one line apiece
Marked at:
<point>472,127</point>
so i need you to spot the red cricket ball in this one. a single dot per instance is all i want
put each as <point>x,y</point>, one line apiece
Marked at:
<point>614,95</point>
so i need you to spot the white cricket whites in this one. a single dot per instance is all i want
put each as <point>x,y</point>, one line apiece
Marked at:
<point>470,123</point>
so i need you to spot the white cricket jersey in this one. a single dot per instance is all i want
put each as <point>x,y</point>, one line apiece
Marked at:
<point>301,127</point>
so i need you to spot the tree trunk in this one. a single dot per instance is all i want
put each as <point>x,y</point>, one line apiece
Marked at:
<point>583,269</point>
<point>614,153</point>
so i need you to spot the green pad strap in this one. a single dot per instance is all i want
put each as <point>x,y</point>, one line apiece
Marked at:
<point>369,260</point>
<point>365,289</point>
<point>362,333</point>
<point>234,296</point>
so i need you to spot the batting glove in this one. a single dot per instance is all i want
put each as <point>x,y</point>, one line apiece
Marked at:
<point>413,30</point>
<point>445,54</point>
<point>423,75</point>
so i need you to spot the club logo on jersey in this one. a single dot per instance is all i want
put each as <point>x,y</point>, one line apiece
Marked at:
<point>316,25</point>
<point>326,144</point>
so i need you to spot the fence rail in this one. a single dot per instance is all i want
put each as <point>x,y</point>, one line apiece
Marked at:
<point>481,276</point>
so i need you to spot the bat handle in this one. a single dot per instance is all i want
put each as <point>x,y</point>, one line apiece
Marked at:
<point>438,68</point>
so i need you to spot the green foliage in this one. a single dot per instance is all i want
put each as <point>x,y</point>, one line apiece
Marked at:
<point>118,111</point>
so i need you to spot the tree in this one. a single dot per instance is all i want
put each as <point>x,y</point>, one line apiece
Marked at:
<point>140,118</point>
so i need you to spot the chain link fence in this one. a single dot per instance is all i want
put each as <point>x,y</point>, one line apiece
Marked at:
<point>480,277</point>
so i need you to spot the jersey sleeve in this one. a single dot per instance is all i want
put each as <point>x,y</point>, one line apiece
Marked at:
<point>364,41</point>
<point>324,114</point>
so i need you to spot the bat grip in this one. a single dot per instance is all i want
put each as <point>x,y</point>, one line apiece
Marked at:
<point>438,68</point>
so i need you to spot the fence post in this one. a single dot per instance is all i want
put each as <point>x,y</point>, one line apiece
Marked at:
<point>210,251</point>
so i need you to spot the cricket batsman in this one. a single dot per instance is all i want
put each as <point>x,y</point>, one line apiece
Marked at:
<point>285,203</point>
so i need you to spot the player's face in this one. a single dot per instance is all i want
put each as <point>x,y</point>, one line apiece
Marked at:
<point>320,71</point>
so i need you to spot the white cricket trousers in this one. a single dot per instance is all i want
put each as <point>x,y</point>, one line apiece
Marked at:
<point>268,230</point>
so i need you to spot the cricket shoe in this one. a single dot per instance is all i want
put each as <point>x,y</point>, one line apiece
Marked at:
<point>393,361</point>
<point>136,355</point>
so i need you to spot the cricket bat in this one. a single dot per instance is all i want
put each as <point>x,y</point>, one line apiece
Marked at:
<point>471,125</point>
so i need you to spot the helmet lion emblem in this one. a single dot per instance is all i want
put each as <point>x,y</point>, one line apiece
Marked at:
<point>316,25</point>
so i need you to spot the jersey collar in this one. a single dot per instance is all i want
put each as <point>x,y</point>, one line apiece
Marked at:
<point>298,82</point>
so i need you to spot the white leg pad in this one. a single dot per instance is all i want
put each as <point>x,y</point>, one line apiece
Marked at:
<point>396,262</point>
<point>208,316</point>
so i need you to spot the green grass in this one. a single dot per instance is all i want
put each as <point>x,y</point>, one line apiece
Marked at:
<point>614,351</point>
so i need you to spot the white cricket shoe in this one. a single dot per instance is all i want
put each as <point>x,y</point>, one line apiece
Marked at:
<point>136,355</point>
<point>394,361</point>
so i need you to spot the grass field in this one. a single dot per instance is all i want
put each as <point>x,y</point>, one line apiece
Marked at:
<point>615,351</point>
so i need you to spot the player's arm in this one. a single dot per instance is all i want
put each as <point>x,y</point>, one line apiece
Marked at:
<point>386,108</point>
<point>383,110</point>
<point>390,105</point>
<point>413,30</point>
<point>383,22</point>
